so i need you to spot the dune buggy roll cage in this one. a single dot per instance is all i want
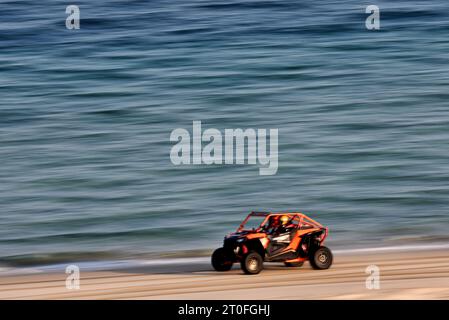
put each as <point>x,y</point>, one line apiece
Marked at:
<point>302,219</point>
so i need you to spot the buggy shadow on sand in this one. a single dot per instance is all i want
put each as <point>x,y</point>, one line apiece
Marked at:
<point>288,237</point>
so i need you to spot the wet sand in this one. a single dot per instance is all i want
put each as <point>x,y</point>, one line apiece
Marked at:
<point>403,275</point>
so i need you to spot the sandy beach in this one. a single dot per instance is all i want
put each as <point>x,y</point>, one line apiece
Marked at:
<point>403,275</point>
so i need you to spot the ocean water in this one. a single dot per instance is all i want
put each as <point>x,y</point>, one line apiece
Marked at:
<point>86,116</point>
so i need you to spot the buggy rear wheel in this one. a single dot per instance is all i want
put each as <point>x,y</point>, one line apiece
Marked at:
<point>321,258</point>
<point>222,259</point>
<point>252,263</point>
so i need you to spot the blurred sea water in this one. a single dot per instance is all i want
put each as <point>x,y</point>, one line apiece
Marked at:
<point>86,116</point>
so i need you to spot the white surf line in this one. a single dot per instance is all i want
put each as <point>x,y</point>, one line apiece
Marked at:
<point>124,264</point>
<point>104,265</point>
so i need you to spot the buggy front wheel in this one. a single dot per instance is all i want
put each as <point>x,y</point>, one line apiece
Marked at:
<point>222,260</point>
<point>252,263</point>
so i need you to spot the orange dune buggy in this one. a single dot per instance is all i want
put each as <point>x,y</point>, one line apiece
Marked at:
<point>286,237</point>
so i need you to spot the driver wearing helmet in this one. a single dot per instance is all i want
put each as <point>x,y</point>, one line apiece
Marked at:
<point>284,226</point>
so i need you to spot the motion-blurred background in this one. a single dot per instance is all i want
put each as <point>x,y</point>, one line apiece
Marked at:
<point>86,115</point>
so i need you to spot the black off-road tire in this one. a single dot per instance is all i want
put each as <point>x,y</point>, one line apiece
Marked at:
<point>321,258</point>
<point>252,263</point>
<point>222,259</point>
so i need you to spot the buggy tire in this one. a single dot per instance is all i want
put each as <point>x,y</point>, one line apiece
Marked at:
<point>222,260</point>
<point>321,258</point>
<point>252,263</point>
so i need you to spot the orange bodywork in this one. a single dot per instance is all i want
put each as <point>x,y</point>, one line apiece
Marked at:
<point>303,224</point>
<point>256,235</point>
<point>280,237</point>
